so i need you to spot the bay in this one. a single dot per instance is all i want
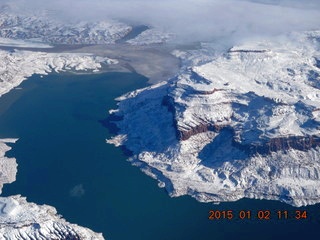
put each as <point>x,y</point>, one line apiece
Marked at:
<point>65,162</point>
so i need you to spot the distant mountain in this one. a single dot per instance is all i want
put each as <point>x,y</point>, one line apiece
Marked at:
<point>47,28</point>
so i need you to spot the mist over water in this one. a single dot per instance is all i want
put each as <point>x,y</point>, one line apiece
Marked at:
<point>190,20</point>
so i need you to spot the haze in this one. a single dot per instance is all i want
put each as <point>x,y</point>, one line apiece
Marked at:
<point>197,20</point>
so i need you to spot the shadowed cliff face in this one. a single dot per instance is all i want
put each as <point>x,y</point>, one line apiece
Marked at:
<point>263,147</point>
<point>301,143</point>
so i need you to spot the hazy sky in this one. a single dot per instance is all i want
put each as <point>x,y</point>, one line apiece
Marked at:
<point>194,19</point>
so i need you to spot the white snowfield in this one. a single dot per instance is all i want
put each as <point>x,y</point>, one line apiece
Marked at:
<point>20,219</point>
<point>19,65</point>
<point>283,73</point>
<point>255,93</point>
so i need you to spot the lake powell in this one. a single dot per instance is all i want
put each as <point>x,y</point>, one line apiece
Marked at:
<point>65,162</point>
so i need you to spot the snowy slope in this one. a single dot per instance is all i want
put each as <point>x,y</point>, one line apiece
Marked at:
<point>243,123</point>
<point>20,219</point>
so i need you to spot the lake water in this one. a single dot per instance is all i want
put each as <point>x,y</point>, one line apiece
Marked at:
<point>64,162</point>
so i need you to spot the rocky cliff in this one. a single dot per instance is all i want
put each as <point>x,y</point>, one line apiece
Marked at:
<point>243,123</point>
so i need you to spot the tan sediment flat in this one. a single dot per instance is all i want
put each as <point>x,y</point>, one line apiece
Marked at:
<point>153,61</point>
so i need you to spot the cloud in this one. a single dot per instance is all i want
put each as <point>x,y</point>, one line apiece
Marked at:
<point>194,20</point>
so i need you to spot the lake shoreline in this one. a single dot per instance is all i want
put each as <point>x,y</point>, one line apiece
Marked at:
<point>66,110</point>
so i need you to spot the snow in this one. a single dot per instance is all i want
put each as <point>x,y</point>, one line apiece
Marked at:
<point>262,91</point>
<point>46,29</point>
<point>19,65</point>
<point>9,206</point>
<point>8,166</point>
<point>20,218</point>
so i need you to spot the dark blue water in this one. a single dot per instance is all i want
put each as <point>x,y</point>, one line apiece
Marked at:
<point>64,162</point>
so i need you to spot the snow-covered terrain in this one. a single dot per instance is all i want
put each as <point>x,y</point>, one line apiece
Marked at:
<point>8,166</point>
<point>20,219</point>
<point>243,123</point>
<point>37,29</point>
<point>151,36</point>
<point>18,65</point>
<point>43,27</point>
